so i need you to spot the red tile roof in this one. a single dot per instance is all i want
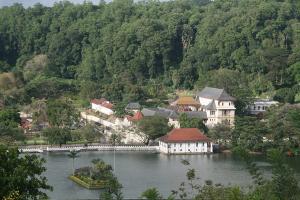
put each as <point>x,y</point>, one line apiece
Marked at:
<point>102,102</point>
<point>185,135</point>
<point>136,117</point>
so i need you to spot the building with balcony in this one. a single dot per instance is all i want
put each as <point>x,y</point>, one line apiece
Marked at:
<point>218,105</point>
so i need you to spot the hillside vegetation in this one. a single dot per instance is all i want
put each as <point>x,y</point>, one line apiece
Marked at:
<point>131,51</point>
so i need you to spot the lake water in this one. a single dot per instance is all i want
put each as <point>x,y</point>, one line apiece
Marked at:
<point>139,171</point>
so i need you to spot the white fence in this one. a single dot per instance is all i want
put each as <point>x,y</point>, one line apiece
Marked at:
<point>88,148</point>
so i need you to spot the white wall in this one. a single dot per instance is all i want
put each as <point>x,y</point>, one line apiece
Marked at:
<point>218,117</point>
<point>174,123</point>
<point>102,109</point>
<point>184,148</point>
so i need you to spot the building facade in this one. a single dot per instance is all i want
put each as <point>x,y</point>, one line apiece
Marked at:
<point>261,106</point>
<point>102,105</point>
<point>218,105</point>
<point>185,141</point>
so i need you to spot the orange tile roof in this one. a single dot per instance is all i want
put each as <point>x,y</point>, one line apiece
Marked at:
<point>187,101</point>
<point>185,135</point>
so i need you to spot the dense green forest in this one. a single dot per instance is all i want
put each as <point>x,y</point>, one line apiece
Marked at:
<point>128,50</point>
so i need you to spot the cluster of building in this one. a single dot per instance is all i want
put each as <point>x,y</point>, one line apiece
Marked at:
<point>211,105</point>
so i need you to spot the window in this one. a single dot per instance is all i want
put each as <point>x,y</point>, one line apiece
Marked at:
<point>212,112</point>
<point>225,112</point>
<point>229,103</point>
<point>188,144</point>
<point>174,149</point>
<point>258,107</point>
<point>180,145</point>
<point>197,144</point>
<point>254,107</point>
<point>180,149</point>
<point>222,104</point>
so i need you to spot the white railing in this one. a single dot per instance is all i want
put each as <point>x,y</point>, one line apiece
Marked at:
<point>89,148</point>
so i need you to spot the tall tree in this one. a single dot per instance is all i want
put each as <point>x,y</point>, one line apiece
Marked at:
<point>73,155</point>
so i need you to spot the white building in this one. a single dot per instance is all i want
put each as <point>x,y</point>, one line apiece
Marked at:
<point>218,105</point>
<point>102,105</point>
<point>185,141</point>
<point>260,106</point>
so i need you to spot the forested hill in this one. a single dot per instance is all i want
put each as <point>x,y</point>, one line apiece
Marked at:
<point>131,51</point>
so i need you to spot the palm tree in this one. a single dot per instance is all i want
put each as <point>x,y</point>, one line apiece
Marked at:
<point>151,194</point>
<point>73,154</point>
<point>113,140</point>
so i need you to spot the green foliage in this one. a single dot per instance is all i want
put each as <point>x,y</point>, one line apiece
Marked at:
<point>22,174</point>
<point>119,109</point>
<point>48,87</point>
<point>151,194</point>
<point>283,122</point>
<point>186,122</point>
<point>249,133</point>
<point>9,118</point>
<point>112,188</point>
<point>143,49</point>
<point>153,127</point>
<point>61,113</point>
<point>57,135</point>
<point>9,123</point>
<point>222,134</point>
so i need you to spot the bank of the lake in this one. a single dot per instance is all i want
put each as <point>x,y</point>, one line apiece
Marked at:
<point>138,171</point>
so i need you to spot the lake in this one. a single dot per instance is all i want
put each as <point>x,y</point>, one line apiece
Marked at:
<point>138,171</point>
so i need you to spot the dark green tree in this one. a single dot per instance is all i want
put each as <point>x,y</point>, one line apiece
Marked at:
<point>22,174</point>
<point>57,135</point>
<point>153,127</point>
<point>186,122</point>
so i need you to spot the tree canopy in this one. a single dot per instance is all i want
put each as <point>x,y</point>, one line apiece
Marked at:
<point>142,49</point>
<point>22,175</point>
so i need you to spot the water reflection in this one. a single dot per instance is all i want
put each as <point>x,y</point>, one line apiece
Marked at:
<point>139,171</point>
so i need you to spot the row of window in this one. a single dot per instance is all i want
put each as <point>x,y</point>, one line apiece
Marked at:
<point>224,113</point>
<point>259,108</point>
<point>180,145</point>
<point>222,103</point>
<point>189,150</point>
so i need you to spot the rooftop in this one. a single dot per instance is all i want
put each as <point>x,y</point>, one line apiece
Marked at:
<point>215,93</point>
<point>211,105</point>
<point>133,106</point>
<point>187,101</point>
<point>102,102</point>
<point>184,135</point>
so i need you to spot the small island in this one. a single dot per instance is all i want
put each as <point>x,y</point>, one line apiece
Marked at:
<point>97,176</point>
